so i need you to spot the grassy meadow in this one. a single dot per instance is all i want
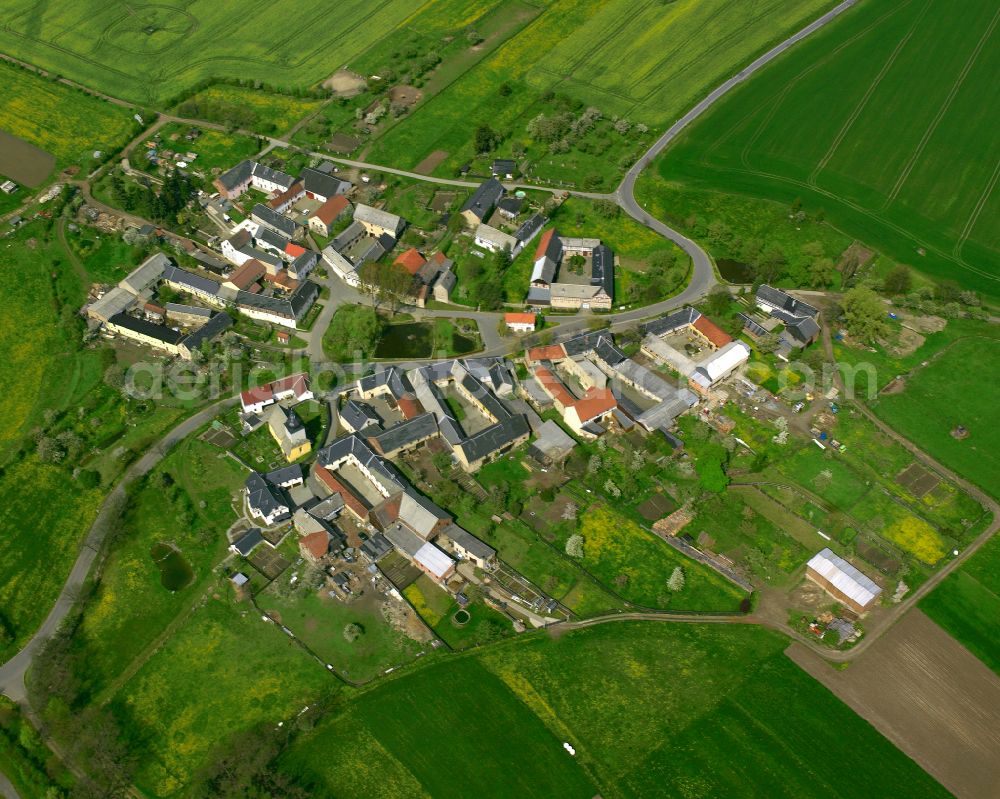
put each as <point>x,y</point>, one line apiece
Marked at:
<point>710,732</point>
<point>899,150</point>
<point>953,390</point>
<point>967,604</point>
<point>64,122</point>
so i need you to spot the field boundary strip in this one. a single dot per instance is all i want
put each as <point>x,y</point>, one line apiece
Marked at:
<point>984,198</point>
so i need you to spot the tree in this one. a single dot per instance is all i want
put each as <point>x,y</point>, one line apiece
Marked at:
<point>352,632</point>
<point>768,342</point>
<point>574,546</point>
<point>718,300</point>
<point>865,314</point>
<point>676,581</point>
<point>485,139</point>
<point>822,271</point>
<point>898,280</point>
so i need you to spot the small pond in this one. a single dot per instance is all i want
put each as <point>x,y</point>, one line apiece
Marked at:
<point>461,618</point>
<point>175,571</point>
<point>407,340</point>
<point>735,271</point>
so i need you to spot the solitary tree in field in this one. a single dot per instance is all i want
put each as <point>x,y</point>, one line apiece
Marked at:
<point>865,313</point>
<point>352,632</point>
<point>574,546</point>
<point>676,581</point>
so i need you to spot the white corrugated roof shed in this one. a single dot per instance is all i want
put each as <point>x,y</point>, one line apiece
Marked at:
<point>844,577</point>
<point>433,560</point>
<point>725,360</point>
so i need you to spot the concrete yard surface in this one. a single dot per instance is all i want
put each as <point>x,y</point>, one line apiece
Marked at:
<point>928,695</point>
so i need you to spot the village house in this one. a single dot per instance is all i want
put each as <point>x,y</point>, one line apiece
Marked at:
<point>548,286</point>
<point>503,168</point>
<point>277,222</point>
<point>520,322</point>
<point>322,218</point>
<point>481,203</point>
<point>494,240</point>
<point>288,431</point>
<point>265,501</point>
<point>232,183</point>
<point>321,185</point>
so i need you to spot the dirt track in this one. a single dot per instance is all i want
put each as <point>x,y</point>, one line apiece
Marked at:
<point>928,695</point>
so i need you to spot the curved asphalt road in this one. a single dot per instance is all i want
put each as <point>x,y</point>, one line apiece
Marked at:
<point>12,672</point>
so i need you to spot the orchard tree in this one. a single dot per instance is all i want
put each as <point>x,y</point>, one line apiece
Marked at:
<point>865,314</point>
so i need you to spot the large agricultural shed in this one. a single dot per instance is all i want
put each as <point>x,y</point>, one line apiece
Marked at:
<point>842,580</point>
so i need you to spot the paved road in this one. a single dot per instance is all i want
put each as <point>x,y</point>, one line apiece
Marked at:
<point>12,672</point>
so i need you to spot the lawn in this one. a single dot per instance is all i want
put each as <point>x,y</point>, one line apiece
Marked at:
<point>65,122</point>
<point>711,730</point>
<point>253,109</point>
<point>222,671</point>
<point>967,604</point>
<point>437,607</point>
<point>953,391</point>
<point>636,565</point>
<point>130,606</point>
<point>216,150</point>
<point>893,92</point>
<point>319,620</point>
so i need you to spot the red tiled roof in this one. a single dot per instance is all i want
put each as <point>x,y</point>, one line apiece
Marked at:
<point>254,395</point>
<point>712,332</point>
<point>294,250</point>
<point>519,318</point>
<point>298,384</point>
<point>245,276</point>
<point>331,209</point>
<point>553,352</point>
<point>408,407</point>
<point>283,335</point>
<point>411,260</point>
<point>543,242</point>
<point>316,544</point>
<point>354,503</point>
<point>293,191</point>
<point>283,280</point>
<point>554,386</point>
<point>154,308</point>
<point>439,257</point>
<point>594,403</point>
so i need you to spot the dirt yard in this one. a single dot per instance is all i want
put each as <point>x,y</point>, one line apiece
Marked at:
<point>345,83</point>
<point>430,163</point>
<point>23,162</point>
<point>928,695</point>
<point>405,95</point>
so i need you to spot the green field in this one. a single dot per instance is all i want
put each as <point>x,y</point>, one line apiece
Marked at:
<point>712,731</point>
<point>150,53</point>
<point>222,671</point>
<point>967,604</point>
<point>64,122</point>
<point>130,606</point>
<point>899,149</point>
<point>952,391</point>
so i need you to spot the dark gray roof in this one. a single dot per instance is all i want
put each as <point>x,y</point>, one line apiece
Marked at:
<point>247,543</point>
<point>285,474</point>
<point>376,547</point>
<point>469,542</point>
<point>393,377</point>
<point>294,306</point>
<point>271,238</point>
<point>321,183</point>
<point>405,433</point>
<point>271,218</point>
<point>347,235</point>
<point>212,328</point>
<point>236,176</point>
<point>303,263</point>
<point>785,302</point>
<point>283,179</point>
<point>512,205</point>
<point>608,352</point>
<point>529,228</point>
<point>602,269</point>
<point>488,398</point>
<point>359,414</point>
<point>495,438</point>
<point>803,329</point>
<point>753,327</point>
<point>672,321</point>
<point>585,342</point>
<point>190,310</point>
<point>262,495</point>
<point>141,326</point>
<point>484,198</point>
<point>355,445</point>
<point>504,166</point>
<point>189,280</point>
